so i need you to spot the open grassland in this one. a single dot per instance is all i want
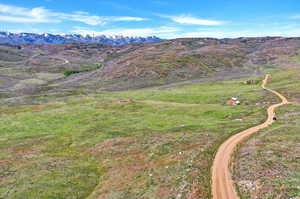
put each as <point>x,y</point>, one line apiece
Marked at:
<point>160,145</point>
<point>267,165</point>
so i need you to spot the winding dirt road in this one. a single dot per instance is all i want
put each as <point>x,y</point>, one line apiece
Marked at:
<point>222,183</point>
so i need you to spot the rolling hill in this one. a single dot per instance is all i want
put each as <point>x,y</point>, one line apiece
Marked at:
<point>65,134</point>
<point>28,69</point>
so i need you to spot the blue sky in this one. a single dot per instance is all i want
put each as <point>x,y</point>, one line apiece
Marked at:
<point>162,18</point>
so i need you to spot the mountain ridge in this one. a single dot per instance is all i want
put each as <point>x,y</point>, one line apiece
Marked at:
<point>46,38</point>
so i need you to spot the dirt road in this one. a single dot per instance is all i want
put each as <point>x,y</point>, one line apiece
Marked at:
<point>222,183</point>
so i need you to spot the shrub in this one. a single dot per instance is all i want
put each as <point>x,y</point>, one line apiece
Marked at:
<point>85,68</point>
<point>71,72</point>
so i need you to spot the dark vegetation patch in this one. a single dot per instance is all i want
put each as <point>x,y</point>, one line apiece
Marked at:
<point>84,68</point>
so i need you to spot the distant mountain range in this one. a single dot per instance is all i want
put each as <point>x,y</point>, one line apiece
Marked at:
<point>45,38</point>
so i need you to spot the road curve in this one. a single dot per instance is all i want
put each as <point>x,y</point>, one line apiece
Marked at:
<point>222,183</point>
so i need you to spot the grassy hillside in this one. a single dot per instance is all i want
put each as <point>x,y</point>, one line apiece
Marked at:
<point>11,53</point>
<point>160,145</point>
<point>267,165</point>
<point>96,67</point>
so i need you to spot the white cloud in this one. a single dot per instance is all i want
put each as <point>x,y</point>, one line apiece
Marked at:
<point>215,34</point>
<point>189,20</point>
<point>126,18</point>
<point>296,17</point>
<point>242,33</point>
<point>24,15</point>
<point>15,14</point>
<point>16,19</point>
<point>134,32</point>
<point>81,17</point>
<point>195,21</point>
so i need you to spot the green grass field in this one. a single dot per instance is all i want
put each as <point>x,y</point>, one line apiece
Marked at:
<point>161,145</point>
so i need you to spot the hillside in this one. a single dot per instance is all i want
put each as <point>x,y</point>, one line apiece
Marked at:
<point>28,69</point>
<point>64,134</point>
<point>159,145</point>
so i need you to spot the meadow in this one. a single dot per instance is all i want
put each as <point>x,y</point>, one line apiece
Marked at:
<point>158,144</point>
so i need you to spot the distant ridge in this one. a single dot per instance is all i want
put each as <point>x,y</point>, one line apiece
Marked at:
<point>45,38</point>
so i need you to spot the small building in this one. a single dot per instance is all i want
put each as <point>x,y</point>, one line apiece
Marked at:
<point>233,101</point>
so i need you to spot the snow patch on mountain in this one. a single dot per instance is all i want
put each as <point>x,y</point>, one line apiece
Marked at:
<point>46,38</point>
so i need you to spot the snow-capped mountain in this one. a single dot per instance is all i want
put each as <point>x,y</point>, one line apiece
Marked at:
<point>45,38</point>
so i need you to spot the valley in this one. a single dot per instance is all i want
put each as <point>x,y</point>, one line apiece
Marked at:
<point>146,120</point>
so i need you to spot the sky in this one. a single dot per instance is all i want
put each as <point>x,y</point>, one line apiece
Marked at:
<point>166,19</point>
